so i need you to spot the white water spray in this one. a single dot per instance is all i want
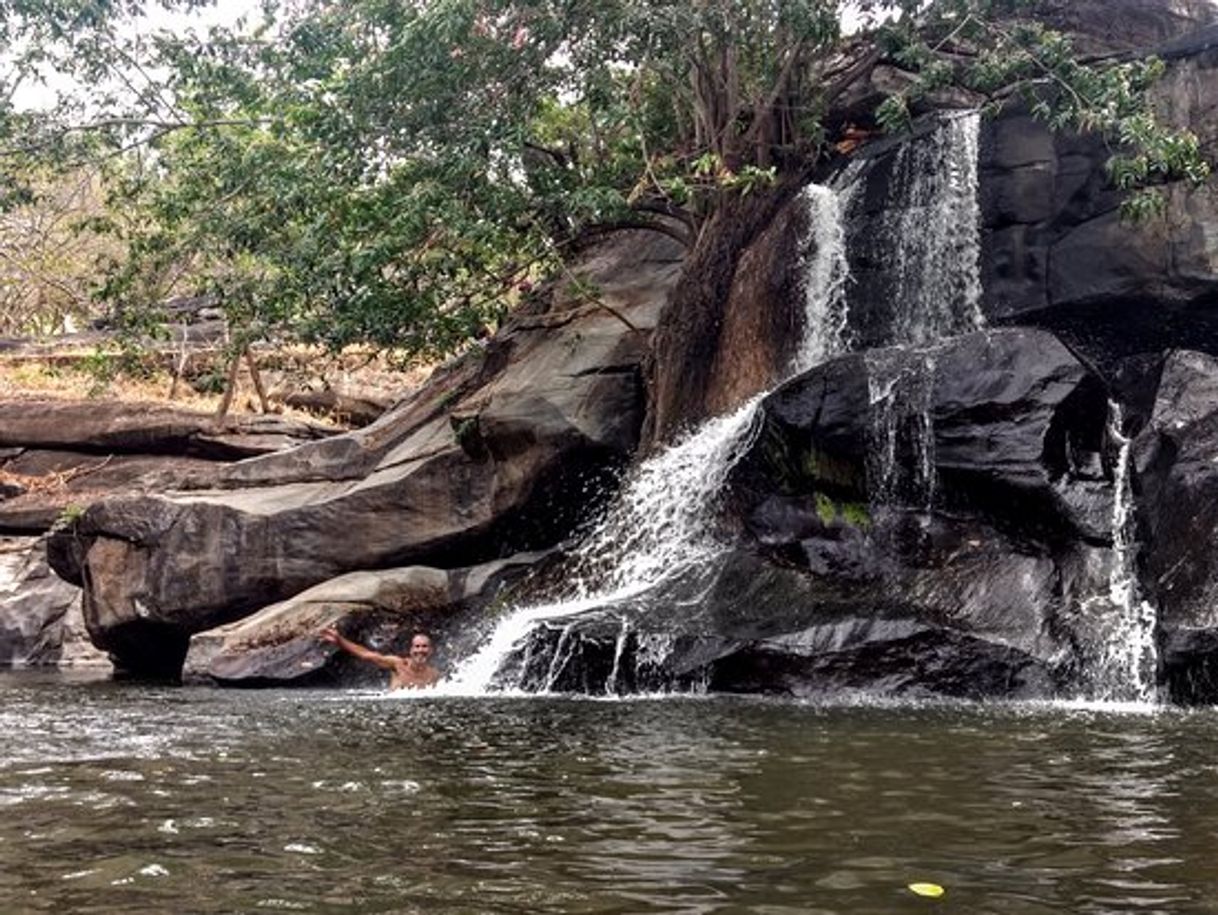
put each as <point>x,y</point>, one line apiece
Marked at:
<point>658,527</point>
<point>933,233</point>
<point>900,388</point>
<point>1128,657</point>
<point>827,275</point>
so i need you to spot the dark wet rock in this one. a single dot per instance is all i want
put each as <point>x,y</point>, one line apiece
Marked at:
<point>760,627</point>
<point>976,563</point>
<point>1056,252</point>
<point>1176,457</point>
<point>1190,665</point>
<point>968,426</point>
<point>1178,502</point>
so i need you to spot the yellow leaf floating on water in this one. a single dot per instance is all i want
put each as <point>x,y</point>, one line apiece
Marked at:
<point>933,890</point>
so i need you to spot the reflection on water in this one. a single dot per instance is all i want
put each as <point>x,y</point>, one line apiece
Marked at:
<point>133,799</point>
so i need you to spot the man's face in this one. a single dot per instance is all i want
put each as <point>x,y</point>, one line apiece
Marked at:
<point>420,649</point>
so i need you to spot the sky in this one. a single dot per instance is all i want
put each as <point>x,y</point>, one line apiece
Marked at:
<point>36,95</point>
<point>33,95</point>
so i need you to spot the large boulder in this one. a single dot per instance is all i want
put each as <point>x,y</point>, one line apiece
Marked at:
<point>40,614</point>
<point>503,451</point>
<point>1176,458</point>
<point>909,522</point>
<point>59,456</point>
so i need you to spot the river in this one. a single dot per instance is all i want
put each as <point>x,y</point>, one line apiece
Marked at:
<point>127,798</point>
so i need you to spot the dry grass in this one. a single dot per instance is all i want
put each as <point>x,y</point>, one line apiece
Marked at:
<point>65,376</point>
<point>28,380</point>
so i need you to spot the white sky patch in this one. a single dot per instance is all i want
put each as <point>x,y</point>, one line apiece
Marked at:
<point>42,91</point>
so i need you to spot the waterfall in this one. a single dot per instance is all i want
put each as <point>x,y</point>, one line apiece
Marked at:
<point>1128,656</point>
<point>932,227</point>
<point>661,523</point>
<point>900,386</point>
<point>826,277</point>
<point>930,233</point>
<point>658,527</point>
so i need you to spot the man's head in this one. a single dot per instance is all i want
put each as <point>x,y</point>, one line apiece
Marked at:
<point>420,648</point>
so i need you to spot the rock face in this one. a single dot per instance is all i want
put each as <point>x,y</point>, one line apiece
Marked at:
<point>502,452</point>
<point>1056,253</point>
<point>1177,465</point>
<point>40,614</point>
<point>952,536</point>
<point>1114,26</point>
<point>57,457</point>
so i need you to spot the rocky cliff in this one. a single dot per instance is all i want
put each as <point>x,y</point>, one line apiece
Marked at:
<point>1011,499</point>
<point>56,458</point>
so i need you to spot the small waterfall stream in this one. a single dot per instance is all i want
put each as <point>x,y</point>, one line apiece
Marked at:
<point>933,231</point>
<point>933,234</point>
<point>1128,656</point>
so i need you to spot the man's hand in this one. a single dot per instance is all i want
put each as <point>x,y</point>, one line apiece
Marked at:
<point>330,634</point>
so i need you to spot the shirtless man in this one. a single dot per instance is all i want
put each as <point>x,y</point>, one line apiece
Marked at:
<point>411,672</point>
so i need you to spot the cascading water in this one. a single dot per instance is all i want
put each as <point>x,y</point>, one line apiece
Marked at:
<point>1128,657</point>
<point>932,231</point>
<point>899,387</point>
<point>660,525</point>
<point>827,275</point>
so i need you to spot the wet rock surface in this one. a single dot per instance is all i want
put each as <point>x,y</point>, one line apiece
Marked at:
<point>933,522</point>
<point>1176,457</point>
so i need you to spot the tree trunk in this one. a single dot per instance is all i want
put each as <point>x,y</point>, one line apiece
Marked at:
<point>256,377</point>
<point>230,386</point>
<point>687,336</point>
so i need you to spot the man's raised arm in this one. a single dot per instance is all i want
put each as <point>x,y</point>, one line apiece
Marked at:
<point>331,635</point>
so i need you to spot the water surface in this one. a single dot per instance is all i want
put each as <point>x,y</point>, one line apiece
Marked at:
<point>120,798</point>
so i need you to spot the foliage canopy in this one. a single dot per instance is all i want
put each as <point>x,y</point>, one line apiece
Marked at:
<point>399,173</point>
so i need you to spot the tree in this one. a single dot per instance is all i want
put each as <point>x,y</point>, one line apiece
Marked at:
<point>395,173</point>
<point>49,257</point>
